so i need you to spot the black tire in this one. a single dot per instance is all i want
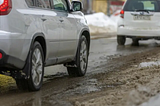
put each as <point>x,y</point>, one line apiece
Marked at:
<point>135,42</point>
<point>121,40</point>
<point>77,71</point>
<point>22,84</point>
<point>28,84</point>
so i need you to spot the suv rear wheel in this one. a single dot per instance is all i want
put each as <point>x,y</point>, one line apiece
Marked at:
<point>121,40</point>
<point>81,59</point>
<point>36,71</point>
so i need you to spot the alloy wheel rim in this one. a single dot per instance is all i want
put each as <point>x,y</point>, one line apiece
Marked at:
<point>37,67</point>
<point>83,56</point>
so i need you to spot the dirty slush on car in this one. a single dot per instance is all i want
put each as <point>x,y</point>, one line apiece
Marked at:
<point>39,33</point>
<point>139,21</point>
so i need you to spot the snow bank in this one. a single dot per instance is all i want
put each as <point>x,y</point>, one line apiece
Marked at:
<point>100,23</point>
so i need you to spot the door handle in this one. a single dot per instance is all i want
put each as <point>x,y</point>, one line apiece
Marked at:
<point>61,20</point>
<point>43,19</point>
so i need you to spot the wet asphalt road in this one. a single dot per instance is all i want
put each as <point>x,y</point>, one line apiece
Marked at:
<point>57,86</point>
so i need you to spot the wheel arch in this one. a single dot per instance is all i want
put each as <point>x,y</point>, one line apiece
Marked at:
<point>40,37</point>
<point>86,33</point>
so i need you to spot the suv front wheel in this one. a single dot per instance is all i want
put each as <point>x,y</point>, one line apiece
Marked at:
<point>35,62</point>
<point>81,60</point>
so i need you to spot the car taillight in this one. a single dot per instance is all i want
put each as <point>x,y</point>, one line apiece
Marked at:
<point>5,7</point>
<point>1,55</point>
<point>122,14</point>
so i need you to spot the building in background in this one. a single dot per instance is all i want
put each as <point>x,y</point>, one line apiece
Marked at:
<point>100,6</point>
<point>114,6</point>
<point>106,6</point>
<point>87,6</point>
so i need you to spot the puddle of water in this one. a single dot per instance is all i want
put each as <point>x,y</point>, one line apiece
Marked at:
<point>92,81</point>
<point>57,75</point>
<point>91,89</point>
<point>91,86</point>
<point>85,87</point>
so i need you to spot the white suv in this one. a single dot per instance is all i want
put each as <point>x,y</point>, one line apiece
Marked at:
<point>139,21</point>
<point>39,33</point>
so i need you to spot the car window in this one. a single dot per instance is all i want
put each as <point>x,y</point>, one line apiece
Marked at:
<point>77,6</point>
<point>60,5</point>
<point>43,3</point>
<point>150,5</point>
<point>30,2</point>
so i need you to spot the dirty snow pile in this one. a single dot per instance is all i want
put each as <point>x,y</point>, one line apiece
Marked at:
<point>101,23</point>
<point>149,64</point>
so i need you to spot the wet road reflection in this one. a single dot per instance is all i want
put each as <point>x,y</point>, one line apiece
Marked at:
<point>37,100</point>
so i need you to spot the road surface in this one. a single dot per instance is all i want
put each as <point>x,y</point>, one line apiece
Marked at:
<point>106,62</point>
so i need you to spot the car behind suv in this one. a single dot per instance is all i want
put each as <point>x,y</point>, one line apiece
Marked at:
<point>39,33</point>
<point>139,21</point>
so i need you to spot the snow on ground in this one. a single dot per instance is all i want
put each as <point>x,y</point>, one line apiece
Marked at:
<point>101,23</point>
<point>154,101</point>
<point>149,64</point>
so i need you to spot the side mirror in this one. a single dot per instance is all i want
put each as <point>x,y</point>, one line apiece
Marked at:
<point>77,6</point>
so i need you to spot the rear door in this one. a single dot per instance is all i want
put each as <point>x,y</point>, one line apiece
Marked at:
<point>51,27</point>
<point>142,14</point>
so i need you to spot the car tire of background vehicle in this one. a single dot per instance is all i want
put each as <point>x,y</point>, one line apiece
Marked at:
<point>36,71</point>
<point>81,61</point>
<point>121,40</point>
<point>135,42</point>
